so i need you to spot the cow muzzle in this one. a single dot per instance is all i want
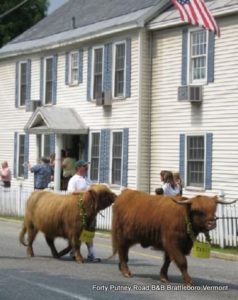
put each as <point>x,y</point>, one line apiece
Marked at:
<point>211,224</point>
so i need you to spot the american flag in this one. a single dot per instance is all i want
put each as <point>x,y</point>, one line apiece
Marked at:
<point>196,12</point>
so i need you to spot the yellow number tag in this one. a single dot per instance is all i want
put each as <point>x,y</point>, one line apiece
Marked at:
<point>201,250</point>
<point>87,236</point>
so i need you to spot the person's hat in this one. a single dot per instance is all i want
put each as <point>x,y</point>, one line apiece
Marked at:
<point>81,163</point>
<point>45,160</point>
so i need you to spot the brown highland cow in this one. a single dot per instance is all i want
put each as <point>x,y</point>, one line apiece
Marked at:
<point>63,216</point>
<point>160,221</point>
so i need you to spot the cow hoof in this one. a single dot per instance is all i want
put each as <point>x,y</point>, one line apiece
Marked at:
<point>127,274</point>
<point>164,279</point>
<point>30,253</point>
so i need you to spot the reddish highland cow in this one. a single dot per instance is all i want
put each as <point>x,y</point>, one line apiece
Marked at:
<point>160,221</point>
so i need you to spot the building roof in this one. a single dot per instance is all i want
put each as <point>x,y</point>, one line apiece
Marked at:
<point>51,119</point>
<point>79,20</point>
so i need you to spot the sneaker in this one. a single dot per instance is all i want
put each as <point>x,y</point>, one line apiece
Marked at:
<point>72,254</point>
<point>91,258</point>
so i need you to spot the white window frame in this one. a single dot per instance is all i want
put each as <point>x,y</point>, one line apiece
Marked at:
<point>93,64</point>
<point>111,156</point>
<point>186,161</point>
<point>114,71</point>
<point>73,81</point>
<point>44,78</point>
<point>90,147</point>
<point>18,175</point>
<point>189,70</point>
<point>19,82</point>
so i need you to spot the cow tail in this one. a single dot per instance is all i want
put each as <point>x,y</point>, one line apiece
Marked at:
<point>22,235</point>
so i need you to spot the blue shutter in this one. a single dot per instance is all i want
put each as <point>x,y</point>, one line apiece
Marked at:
<point>89,74</point>
<point>26,155</point>
<point>128,68</point>
<point>107,76</point>
<point>80,70</point>
<point>15,155</point>
<point>184,79</point>
<point>182,156</point>
<point>42,80</point>
<point>28,79</point>
<point>55,63</point>
<point>67,68</point>
<point>52,143</point>
<point>104,156</point>
<point>208,179</point>
<point>211,54</point>
<point>17,85</point>
<point>125,157</point>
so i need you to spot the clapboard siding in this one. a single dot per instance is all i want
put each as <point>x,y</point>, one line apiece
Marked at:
<point>217,114</point>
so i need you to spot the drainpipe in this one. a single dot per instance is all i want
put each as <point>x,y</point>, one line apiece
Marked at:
<point>57,170</point>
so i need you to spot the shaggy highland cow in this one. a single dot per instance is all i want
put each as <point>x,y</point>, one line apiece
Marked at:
<point>63,216</point>
<point>161,222</point>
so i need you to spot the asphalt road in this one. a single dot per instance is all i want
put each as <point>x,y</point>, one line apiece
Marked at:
<point>43,277</point>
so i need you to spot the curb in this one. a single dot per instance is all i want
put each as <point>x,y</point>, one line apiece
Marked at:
<point>225,256</point>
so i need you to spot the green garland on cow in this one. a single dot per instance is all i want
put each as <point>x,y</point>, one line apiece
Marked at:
<point>82,212</point>
<point>191,234</point>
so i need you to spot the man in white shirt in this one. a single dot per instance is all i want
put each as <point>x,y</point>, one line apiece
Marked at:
<point>81,183</point>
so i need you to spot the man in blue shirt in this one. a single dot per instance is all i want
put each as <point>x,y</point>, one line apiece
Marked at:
<point>42,174</point>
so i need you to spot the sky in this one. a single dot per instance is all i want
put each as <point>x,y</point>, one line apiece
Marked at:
<point>54,4</point>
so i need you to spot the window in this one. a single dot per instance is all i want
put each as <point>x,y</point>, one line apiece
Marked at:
<point>48,96</point>
<point>44,145</point>
<point>119,67</point>
<point>21,155</point>
<point>198,55</point>
<point>74,68</point>
<point>22,83</point>
<point>97,72</point>
<point>95,153</point>
<point>116,162</point>
<point>195,161</point>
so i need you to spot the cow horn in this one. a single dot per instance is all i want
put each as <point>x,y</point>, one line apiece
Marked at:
<point>225,202</point>
<point>185,201</point>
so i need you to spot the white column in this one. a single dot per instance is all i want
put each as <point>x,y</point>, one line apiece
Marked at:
<point>57,171</point>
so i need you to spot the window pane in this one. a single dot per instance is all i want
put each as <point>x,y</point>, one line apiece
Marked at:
<point>119,70</point>
<point>116,158</point>
<point>98,60</point>
<point>21,156</point>
<point>46,145</point>
<point>74,67</point>
<point>49,81</point>
<point>198,55</point>
<point>195,161</point>
<point>95,148</point>
<point>23,83</point>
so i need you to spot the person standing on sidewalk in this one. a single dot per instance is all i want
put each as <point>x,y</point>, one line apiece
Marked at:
<point>5,174</point>
<point>81,183</point>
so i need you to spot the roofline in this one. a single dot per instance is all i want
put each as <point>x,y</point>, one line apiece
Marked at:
<point>52,46</point>
<point>140,22</point>
<point>178,21</point>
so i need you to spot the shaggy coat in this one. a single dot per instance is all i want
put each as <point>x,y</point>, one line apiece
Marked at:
<point>160,221</point>
<point>62,216</point>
